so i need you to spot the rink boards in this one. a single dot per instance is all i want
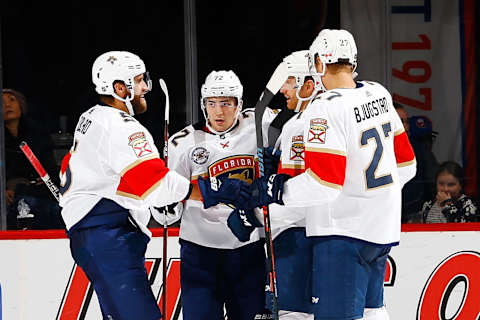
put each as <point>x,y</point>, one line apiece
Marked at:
<point>432,274</point>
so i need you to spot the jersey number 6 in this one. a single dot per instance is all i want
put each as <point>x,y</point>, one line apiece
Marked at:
<point>371,179</point>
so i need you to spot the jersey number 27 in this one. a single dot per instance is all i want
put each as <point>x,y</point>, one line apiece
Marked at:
<point>371,179</point>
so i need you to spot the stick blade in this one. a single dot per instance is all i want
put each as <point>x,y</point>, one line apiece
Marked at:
<point>278,78</point>
<point>163,85</point>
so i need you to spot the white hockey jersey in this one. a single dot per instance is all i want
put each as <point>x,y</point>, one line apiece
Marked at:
<point>292,162</point>
<point>358,158</point>
<point>114,157</point>
<point>194,153</point>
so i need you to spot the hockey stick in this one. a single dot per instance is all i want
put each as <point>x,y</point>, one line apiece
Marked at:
<point>40,170</point>
<point>279,76</point>
<point>163,85</point>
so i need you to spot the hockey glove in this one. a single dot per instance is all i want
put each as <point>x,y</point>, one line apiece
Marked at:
<point>228,191</point>
<point>242,223</point>
<point>271,160</point>
<point>267,190</point>
<point>174,213</point>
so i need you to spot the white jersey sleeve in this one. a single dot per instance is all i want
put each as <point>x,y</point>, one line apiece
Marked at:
<point>143,174</point>
<point>406,163</point>
<point>114,157</point>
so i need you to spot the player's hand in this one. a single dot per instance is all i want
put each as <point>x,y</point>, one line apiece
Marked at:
<point>267,190</point>
<point>441,197</point>
<point>228,191</point>
<point>271,160</point>
<point>10,195</point>
<point>174,213</point>
<point>242,223</point>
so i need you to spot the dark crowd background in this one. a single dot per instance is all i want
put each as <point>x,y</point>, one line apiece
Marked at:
<point>48,51</point>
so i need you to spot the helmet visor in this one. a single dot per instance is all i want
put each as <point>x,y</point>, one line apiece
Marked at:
<point>148,80</point>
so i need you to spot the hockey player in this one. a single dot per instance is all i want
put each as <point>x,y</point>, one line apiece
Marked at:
<point>109,179</point>
<point>217,269</point>
<point>358,158</point>
<point>293,251</point>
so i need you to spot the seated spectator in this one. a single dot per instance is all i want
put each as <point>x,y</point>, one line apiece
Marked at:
<point>449,204</point>
<point>422,187</point>
<point>29,202</point>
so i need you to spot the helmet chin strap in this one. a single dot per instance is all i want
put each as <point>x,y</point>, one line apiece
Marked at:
<point>127,101</point>
<point>300,99</point>
<point>317,77</point>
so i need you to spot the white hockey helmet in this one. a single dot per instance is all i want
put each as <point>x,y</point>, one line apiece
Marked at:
<point>332,46</point>
<point>222,84</point>
<point>297,66</point>
<point>118,66</point>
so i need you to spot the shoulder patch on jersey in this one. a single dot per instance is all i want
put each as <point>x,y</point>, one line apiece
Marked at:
<point>139,144</point>
<point>199,155</point>
<point>297,151</point>
<point>317,133</point>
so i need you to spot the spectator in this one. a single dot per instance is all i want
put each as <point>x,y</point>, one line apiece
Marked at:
<point>421,130</point>
<point>26,195</point>
<point>422,138</point>
<point>421,187</point>
<point>450,203</point>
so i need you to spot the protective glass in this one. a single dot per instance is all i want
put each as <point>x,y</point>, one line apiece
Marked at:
<point>148,80</point>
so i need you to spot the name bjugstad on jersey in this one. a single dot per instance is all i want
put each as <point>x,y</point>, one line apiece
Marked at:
<point>371,109</point>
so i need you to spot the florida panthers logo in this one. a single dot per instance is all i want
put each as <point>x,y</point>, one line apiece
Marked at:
<point>318,131</point>
<point>240,167</point>
<point>297,151</point>
<point>140,144</point>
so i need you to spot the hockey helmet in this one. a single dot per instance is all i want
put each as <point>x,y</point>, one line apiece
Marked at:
<point>222,84</point>
<point>297,66</point>
<point>332,46</point>
<point>118,66</point>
